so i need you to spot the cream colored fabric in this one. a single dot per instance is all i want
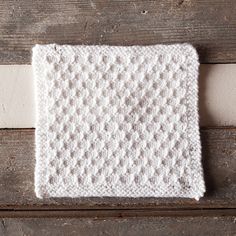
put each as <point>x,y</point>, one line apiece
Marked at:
<point>117,121</point>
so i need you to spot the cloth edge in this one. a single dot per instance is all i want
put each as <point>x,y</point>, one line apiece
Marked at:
<point>39,51</point>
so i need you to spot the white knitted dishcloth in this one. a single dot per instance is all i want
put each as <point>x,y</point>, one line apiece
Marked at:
<point>117,121</point>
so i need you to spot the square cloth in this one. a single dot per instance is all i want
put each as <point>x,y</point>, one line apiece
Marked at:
<point>117,121</point>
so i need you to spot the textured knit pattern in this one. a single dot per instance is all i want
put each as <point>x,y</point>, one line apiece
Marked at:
<point>117,121</point>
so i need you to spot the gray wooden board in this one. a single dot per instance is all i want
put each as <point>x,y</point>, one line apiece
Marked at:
<point>17,160</point>
<point>209,25</point>
<point>199,226</point>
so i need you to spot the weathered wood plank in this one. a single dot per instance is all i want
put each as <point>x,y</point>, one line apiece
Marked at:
<point>170,226</point>
<point>210,25</point>
<point>17,95</point>
<point>17,176</point>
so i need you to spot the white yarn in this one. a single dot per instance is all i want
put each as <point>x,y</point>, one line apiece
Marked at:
<point>117,121</point>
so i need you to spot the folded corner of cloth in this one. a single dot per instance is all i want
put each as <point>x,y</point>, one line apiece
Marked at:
<point>117,121</point>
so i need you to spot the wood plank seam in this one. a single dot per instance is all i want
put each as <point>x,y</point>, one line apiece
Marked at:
<point>124,213</point>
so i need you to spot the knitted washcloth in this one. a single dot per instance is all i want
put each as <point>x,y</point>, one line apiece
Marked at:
<point>117,121</point>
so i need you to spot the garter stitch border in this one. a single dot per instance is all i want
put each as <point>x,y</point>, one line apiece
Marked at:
<point>42,187</point>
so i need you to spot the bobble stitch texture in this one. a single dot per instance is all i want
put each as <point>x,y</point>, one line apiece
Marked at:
<point>117,121</point>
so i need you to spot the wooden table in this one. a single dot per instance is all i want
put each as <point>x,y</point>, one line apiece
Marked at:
<point>209,25</point>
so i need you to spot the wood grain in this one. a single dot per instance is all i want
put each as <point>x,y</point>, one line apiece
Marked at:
<point>209,25</point>
<point>17,177</point>
<point>169,226</point>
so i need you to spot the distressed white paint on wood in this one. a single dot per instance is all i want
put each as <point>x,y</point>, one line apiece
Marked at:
<point>17,105</point>
<point>217,95</point>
